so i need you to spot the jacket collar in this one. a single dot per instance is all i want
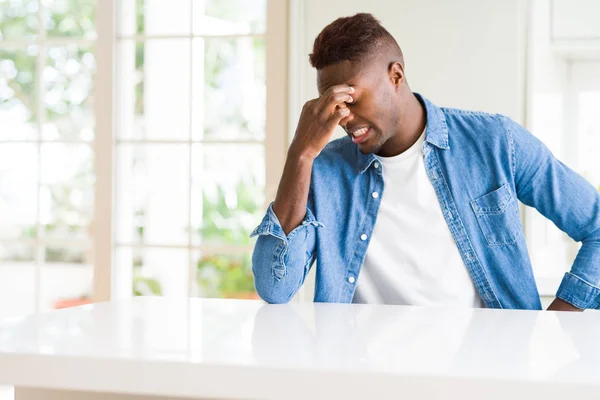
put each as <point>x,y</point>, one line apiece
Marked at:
<point>436,133</point>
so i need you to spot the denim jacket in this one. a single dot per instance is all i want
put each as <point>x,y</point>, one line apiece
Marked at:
<point>480,166</point>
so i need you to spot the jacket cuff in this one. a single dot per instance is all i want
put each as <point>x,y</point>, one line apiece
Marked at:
<point>579,292</point>
<point>270,225</point>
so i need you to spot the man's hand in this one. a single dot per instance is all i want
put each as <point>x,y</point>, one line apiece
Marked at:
<point>561,305</point>
<point>315,128</point>
<point>318,121</point>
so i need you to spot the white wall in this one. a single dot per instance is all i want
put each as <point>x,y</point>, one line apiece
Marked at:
<point>575,19</point>
<point>467,54</point>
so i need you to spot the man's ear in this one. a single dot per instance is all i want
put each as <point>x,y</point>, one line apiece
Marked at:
<point>396,73</point>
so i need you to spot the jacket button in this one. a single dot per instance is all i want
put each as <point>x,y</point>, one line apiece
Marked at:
<point>351,279</point>
<point>363,237</point>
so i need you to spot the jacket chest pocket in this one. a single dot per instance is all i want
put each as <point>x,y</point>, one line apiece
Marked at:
<point>498,216</point>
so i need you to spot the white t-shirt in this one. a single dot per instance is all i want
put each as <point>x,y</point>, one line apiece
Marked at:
<point>412,258</point>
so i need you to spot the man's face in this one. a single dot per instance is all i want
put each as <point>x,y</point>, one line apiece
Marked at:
<point>376,107</point>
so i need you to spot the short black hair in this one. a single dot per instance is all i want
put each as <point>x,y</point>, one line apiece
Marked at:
<point>349,39</point>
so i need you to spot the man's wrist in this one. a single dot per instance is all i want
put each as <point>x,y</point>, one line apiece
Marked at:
<point>560,305</point>
<point>297,155</point>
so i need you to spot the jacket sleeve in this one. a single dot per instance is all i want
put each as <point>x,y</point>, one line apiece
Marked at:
<point>568,200</point>
<point>280,263</point>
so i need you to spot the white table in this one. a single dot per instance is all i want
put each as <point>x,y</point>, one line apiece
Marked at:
<point>227,349</point>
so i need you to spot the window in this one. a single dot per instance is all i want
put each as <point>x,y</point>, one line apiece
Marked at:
<point>134,151</point>
<point>586,87</point>
<point>565,96</point>
<point>47,70</point>
<point>571,125</point>
<point>190,144</point>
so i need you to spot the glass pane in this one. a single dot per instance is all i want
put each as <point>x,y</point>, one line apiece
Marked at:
<point>67,196</point>
<point>230,101</point>
<point>17,279</point>
<point>72,18</point>
<point>154,89</point>
<point>152,194</point>
<point>66,278</point>
<point>18,94</point>
<point>228,186</point>
<point>225,276</point>
<point>18,190</point>
<point>68,99</point>
<point>18,19</point>
<point>154,17</point>
<point>226,17</point>
<point>156,272</point>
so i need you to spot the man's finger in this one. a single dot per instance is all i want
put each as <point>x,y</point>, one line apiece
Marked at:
<point>333,101</point>
<point>337,116</point>
<point>339,89</point>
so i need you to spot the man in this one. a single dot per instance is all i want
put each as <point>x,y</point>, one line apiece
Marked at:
<point>418,205</point>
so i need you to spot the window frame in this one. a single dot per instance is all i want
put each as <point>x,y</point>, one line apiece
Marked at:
<point>108,283</point>
<point>541,233</point>
<point>41,243</point>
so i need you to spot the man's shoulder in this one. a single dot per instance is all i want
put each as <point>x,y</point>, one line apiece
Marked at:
<point>476,123</point>
<point>459,113</point>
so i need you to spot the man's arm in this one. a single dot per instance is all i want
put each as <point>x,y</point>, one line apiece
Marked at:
<point>282,257</point>
<point>316,127</point>
<point>568,200</point>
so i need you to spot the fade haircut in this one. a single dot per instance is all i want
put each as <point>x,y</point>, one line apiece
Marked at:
<point>354,38</point>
